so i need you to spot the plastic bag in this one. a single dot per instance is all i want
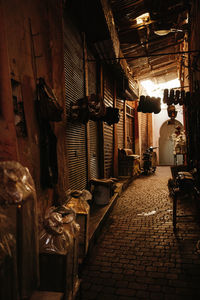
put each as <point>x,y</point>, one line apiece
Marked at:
<point>77,200</point>
<point>8,260</point>
<point>7,239</point>
<point>55,237</point>
<point>16,183</point>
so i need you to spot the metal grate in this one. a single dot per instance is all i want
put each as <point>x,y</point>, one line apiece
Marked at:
<point>108,130</point>
<point>74,90</point>
<point>120,124</point>
<point>144,132</point>
<point>93,130</point>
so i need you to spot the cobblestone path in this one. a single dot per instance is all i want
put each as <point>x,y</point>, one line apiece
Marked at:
<point>137,255</point>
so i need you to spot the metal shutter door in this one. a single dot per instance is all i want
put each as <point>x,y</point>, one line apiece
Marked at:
<point>144,132</point>
<point>130,132</point>
<point>120,124</point>
<point>108,130</point>
<point>74,90</point>
<point>94,170</point>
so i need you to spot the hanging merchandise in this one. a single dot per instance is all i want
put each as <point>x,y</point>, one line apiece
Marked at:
<point>50,109</point>
<point>171,97</point>
<point>172,113</point>
<point>182,98</point>
<point>48,150</point>
<point>112,116</point>
<point>157,105</point>
<point>92,107</point>
<point>165,96</point>
<point>141,102</point>
<point>79,110</point>
<point>177,97</point>
<point>96,107</point>
<point>88,108</point>
<point>149,104</point>
<point>174,97</point>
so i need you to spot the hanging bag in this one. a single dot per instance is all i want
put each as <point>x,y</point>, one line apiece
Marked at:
<point>50,109</point>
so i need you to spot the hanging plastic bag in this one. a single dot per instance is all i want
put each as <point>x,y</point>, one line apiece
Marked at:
<point>16,183</point>
<point>48,105</point>
<point>54,238</point>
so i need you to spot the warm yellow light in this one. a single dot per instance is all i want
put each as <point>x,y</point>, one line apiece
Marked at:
<point>143,18</point>
<point>156,90</point>
<point>162,32</point>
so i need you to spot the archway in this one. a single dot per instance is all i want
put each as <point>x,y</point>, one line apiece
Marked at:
<point>166,144</point>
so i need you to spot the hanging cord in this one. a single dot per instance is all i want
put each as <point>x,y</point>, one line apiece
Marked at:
<point>33,55</point>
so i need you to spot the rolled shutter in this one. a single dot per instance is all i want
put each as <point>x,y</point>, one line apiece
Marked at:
<point>74,90</point>
<point>93,130</point>
<point>108,130</point>
<point>130,128</point>
<point>120,124</point>
<point>144,132</point>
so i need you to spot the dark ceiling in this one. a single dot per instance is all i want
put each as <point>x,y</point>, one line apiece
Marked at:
<point>139,43</point>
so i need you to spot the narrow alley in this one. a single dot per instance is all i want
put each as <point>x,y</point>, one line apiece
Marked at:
<point>137,255</point>
<point>99,104</point>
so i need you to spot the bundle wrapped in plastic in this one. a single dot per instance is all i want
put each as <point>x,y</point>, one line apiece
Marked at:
<point>7,239</point>
<point>8,264</point>
<point>16,183</point>
<point>77,200</point>
<point>55,237</point>
<point>19,202</point>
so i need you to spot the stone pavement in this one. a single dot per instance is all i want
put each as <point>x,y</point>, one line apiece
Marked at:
<point>137,255</point>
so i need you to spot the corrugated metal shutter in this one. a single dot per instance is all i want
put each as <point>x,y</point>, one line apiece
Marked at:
<point>74,90</point>
<point>144,132</point>
<point>130,132</point>
<point>108,130</point>
<point>120,124</point>
<point>130,128</point>
<point>94,169</point>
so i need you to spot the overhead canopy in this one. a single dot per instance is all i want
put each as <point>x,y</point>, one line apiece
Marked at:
<point>96,20</point>
<point>147,28</point>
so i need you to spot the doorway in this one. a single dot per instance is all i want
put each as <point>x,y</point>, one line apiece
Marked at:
<point>166,144</point>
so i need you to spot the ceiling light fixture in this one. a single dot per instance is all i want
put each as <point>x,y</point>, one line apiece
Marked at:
<point>162,32</point>
<point>142,19</point>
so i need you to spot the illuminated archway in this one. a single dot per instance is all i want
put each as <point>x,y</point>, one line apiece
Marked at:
<point>166,143</point>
